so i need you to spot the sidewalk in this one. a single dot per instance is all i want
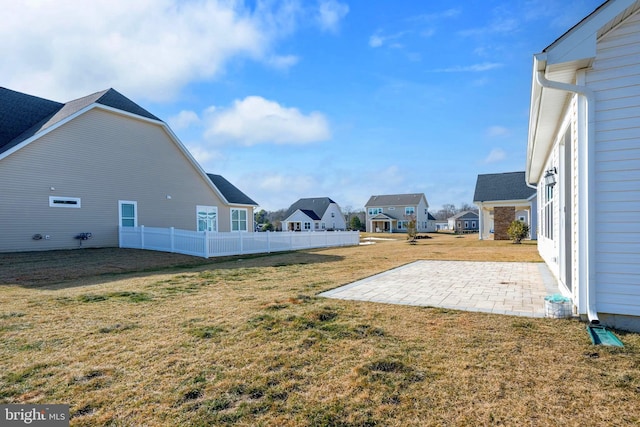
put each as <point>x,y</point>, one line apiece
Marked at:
<point>513,288</point>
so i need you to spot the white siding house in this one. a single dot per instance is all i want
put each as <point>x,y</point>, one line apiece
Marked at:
<point>584,158</point>
<point>390,213</point>
<point>314,214</point>
<point>504,190</point>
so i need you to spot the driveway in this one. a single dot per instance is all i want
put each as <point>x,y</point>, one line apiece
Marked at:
<point>513,288</point>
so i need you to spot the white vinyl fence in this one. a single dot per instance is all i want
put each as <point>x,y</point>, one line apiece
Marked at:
<point>206,244</point>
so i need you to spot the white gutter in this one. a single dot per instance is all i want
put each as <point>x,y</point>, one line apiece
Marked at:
<point>586,251</point>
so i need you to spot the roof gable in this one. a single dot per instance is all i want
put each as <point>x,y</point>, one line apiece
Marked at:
<point>317,205</point>
<point>230,192</point>
<point>465,215</point>
<point>396,200</point>
<point>502,186</point>
<point>24,116</point>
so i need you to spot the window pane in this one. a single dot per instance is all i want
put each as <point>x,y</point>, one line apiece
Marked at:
<point>128,210</point>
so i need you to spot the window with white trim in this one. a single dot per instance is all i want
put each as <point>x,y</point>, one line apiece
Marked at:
<point>127,213</point>
<point>402,225</point>
<point>239,220</point>
<point>307,226</point>
<point>375,211</point>
<point>64,202</point>
<point>409,210</point>
<point>466,224</point>
<point>473,224</point>
<point>207,218</point>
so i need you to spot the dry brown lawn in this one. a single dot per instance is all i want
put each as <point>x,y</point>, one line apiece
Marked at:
<point>144,338</point>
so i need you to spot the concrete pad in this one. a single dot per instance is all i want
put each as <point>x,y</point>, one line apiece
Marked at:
<point>513,288</point>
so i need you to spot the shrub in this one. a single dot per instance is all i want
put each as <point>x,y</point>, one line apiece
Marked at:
<point>517,231</point>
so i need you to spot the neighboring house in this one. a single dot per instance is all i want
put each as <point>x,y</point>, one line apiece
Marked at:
<point>583,155</point>
<point>390,213</point>
<point>442,225</point>
<point>314,214</point>
<point>431,223</point>
<point>97,163</point>
<point>502,198</point>
<point>464,222</point>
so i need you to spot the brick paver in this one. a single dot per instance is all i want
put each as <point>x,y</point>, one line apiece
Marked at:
<point>514,288</point>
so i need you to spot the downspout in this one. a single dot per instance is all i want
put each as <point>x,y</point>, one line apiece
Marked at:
<point>588,165</point>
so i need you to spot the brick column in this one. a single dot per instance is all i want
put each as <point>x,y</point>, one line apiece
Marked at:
<point>502,219</point>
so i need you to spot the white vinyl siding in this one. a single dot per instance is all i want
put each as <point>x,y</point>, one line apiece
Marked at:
<point>614,78</point>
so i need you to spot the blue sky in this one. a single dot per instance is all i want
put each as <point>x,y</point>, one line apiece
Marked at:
<point>307,98</point>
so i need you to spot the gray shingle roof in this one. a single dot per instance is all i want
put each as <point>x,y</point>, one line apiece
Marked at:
<point>20,112</point>
<point>395,200</point>
<point>317,205</point>
<point>465,215</point>
<point>230,191</point>
<point>502,186</point>
<point>23,116</point>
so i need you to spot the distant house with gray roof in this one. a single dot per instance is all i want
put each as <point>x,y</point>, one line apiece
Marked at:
<point>502,198</point>
<point>390,213</point>
<point>463,222</point>
<point>314,214</point>
<point>97,163</point>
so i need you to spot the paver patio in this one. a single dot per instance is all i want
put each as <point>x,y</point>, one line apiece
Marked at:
<point>513,288</point>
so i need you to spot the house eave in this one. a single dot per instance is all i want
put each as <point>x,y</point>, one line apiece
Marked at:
<point>559,62</point>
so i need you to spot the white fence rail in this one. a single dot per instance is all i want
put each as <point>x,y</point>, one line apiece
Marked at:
<point>206,244</point>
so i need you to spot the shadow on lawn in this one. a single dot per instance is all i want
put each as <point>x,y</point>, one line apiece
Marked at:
<point>71,268</point>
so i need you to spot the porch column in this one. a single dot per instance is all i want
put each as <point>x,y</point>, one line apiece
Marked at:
<point>481,222</point>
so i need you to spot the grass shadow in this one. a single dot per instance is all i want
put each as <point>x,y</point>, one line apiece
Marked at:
<point>63,269</point>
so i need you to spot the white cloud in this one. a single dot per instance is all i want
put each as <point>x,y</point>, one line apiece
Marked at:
<point>474,68</point>
<point>183,120</point>
<point>283,62</point>
<point>448,13</point>
<point>204,155</point>
<point>497,131</point>
<point>255,120</point>
<point>330,13</point>
<point>147,49</point>
<point>376,40</point>
<point>496,155</point>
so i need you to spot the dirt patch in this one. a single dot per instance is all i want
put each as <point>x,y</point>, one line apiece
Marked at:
<point>46,268</point>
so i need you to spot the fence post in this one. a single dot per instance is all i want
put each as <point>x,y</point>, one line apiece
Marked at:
<point>206,244</point>
<point>142,237</point>
<point>240,236</point>
<point>173,249</point>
